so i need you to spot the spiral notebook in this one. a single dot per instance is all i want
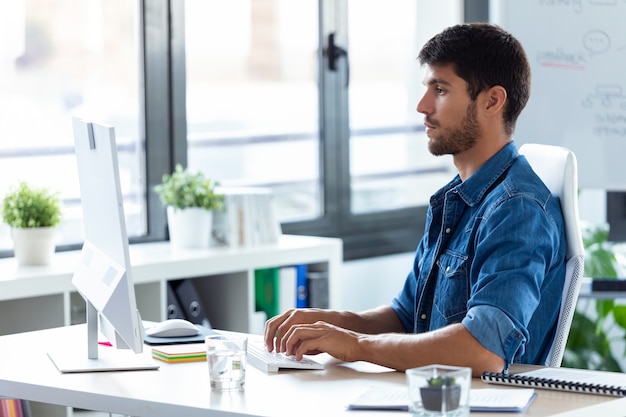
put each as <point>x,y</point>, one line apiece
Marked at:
<point>565,379</point>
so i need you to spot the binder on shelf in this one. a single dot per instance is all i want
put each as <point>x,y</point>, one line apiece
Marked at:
<point>266,283</point>
<point>302,288</point>
<point>288,288</point>
<point>173,309</point>
<point>318,289</point>
<point>565,379</point>
<point>190,302</point>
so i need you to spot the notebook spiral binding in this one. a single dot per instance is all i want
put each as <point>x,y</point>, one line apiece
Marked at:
<point>554,384</point>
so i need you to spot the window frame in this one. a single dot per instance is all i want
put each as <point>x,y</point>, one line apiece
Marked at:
<point>364,235</point>
<point>164,134</point>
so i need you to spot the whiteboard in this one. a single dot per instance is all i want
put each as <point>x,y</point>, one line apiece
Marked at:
<point>577,52</point>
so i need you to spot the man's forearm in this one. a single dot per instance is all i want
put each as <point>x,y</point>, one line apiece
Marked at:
<point>451,345</point>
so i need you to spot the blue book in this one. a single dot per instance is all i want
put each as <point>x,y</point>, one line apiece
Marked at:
<point>302,289</point>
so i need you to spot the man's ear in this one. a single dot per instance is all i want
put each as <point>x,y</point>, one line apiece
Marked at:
<point>495,99</point>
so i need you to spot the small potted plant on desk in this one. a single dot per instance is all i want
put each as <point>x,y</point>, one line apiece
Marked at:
<point>441,391</point>
<point>190,200</point>
<point>32,214</point>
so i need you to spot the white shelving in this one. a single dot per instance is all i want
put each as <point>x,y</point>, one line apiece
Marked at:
<point>33,298</point>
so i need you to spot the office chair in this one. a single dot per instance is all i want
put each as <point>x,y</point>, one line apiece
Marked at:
<point>557,168</point>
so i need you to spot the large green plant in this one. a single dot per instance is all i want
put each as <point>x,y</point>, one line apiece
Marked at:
<point>26,206</point>
<point>183,189</point>
<point>590,338</point>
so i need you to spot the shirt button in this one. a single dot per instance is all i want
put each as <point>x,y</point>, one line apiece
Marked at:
<point>448,268</point>
<point>447,230</point>
<point>423,316</point>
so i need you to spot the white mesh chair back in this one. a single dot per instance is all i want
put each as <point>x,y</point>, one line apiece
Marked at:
<point>557,168</point>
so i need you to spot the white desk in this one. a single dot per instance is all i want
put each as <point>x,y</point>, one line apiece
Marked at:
<point>183,389</point>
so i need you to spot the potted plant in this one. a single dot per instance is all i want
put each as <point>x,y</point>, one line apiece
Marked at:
<point>600,323</point>
<point>441,391</point>
<point>32,213</point>
<point>190,199</point>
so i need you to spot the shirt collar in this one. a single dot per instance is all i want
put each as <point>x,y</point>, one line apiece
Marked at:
<point>476,186</point>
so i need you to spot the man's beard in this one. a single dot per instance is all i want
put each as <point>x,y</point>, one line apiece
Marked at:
<point>455,140</point>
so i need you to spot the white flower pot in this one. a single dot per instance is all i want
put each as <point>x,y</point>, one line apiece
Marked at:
<point>33,246</point>
<point>189,228</point>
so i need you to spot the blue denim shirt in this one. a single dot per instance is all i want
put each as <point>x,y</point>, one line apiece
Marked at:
<point>493,258</point>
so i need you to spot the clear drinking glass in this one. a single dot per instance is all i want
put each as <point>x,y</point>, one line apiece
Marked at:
<point>226,356</point>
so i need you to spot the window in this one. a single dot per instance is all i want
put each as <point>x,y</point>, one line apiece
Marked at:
<point>390,166</point>
<point>241,90</point>
<point>63,58</point>
<point>252,98</point>
<point>265,108</point>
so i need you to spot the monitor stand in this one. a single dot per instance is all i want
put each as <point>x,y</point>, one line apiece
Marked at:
<point>92,357</point>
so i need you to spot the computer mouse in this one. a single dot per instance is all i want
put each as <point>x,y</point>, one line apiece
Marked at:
<point>173,328</point>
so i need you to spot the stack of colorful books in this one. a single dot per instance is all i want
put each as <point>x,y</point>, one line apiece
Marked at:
<point>11,407</point>
<point>188,352</point>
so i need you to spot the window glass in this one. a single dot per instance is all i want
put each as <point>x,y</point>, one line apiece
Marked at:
<point>252,98</point>
<point>390,166</point>
<point>63,58</point>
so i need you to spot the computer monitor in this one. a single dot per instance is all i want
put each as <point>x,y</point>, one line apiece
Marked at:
<point>103,276</point>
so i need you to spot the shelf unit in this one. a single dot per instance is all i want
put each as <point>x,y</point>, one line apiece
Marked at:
<point>34,297</point>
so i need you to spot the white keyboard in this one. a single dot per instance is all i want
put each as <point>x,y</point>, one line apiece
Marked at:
<point>271,362</point>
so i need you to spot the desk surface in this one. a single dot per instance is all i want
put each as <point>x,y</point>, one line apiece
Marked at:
<point>183,389</point>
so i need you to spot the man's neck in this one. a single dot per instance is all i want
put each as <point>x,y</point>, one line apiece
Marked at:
<point>470,161</point>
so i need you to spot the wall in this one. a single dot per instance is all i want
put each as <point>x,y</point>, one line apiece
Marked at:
<point>368,283</point>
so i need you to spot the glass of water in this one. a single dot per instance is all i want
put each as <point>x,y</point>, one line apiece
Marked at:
<point>226,356</point>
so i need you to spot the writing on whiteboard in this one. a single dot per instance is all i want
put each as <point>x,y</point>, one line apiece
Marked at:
<point>576,5</point>
<point>609,104</point>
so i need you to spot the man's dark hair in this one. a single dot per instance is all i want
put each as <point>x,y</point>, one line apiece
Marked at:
<point>484,55</point>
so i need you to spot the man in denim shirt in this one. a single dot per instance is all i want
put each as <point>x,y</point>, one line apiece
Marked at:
<point>486,283</point>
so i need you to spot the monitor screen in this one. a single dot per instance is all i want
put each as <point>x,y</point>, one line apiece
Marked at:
<point>103,276</point>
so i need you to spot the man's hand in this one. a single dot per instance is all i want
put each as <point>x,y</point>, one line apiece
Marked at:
<point>311,339</point>
<point>276,327</point>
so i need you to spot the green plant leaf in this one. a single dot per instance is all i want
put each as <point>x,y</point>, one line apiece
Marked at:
<point>588,349</point>
<point>183,189</point>
<point>439,381</point>
<point>583,333</point>
<point>588,345</point>
<point>26,206</point>
<point>604,307</point>
<point>600,261</point>
<point>594,234</point>
<point>619,313</point>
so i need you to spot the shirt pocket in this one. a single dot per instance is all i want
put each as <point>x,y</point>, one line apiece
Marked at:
<point>452,290</point>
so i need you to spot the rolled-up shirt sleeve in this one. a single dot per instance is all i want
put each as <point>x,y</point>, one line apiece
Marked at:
<point>496,332</point>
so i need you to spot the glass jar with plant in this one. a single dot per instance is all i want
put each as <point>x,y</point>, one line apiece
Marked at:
<point>32,213</point>
<point>441,392</point>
